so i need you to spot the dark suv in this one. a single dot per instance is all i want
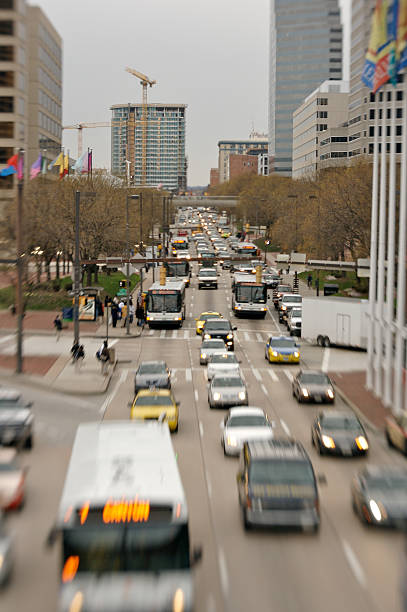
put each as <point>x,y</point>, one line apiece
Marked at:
<point>220,328</point>
<point>277,485</point>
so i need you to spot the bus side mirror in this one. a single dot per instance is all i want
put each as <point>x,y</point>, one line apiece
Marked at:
<point>322,479</point>
<point>51,537</point>
<point>196,555</point>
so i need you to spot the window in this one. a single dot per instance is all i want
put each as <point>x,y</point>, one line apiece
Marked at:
<point>322,114</point>
<point>322,101</point>
<point>6,28</point>
<point>399,113</point>
<point>6,53</point>
<point>6,78</point>
<point>6,182</point>
<point>6,104</point>
<point>7,5</point>
<point>339,154</point>
<point>399,95</point>
<point>6,130</point>
<point>398,147</point>
<point>339,139</point>
<point>5,154</point>
<point>399,130</point>
<point>371,113</point>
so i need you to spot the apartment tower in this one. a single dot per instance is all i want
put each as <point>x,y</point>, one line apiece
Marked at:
<point>305,50</point>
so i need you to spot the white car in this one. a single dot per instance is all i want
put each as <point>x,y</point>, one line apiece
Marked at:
<point>210,347</point>
<point>244,425</point>
<point>294,322</point>
<point>225,363</point>
<point>6,552</point>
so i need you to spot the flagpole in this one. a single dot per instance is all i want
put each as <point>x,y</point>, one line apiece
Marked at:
<point>19,246</point>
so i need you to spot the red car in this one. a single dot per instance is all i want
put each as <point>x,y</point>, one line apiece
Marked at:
<point>182,232</point>
<point>12,480</point>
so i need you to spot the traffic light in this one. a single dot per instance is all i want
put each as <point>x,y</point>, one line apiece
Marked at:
<point>163,275</point>
<point>259,273</point>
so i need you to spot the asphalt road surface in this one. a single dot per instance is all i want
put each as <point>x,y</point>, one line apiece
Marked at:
<point>345,567</point>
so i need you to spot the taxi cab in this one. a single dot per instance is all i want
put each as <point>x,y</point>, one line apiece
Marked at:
<point>282,349</point>
<point>203,317</point>
<point>149,405</point>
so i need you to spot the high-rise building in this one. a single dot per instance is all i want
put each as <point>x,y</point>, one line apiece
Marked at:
<point>165,146</point>
<point>30,88</point>
<point>305,50</point>
<point>254,145</point>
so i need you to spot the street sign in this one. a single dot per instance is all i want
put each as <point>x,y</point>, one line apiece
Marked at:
<point>363,268</point>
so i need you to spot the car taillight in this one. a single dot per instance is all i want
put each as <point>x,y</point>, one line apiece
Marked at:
<point>248,501</point>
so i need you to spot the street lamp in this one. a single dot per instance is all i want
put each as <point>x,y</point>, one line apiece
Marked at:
<point>131,197</point>
<point>266,244</point>
<point>313,197</point>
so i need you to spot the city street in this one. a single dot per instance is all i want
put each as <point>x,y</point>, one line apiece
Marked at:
<point>346,566</point>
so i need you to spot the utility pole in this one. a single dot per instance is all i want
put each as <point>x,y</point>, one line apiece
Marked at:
<point>127,268</point>
<point>141,237</point>
<point>19,245</point>
<point>77,269</point>
<point>152,235</point>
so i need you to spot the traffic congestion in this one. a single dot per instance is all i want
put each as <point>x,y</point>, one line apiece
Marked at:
<point>276,495</point>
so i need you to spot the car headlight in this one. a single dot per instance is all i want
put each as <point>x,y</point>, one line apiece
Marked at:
<point>305,392</point>
<point>238,307</point>
<point>377,510</point>
<point>1,561</point>
<point>330,394</point>
<point>231,441</point>
<point>216,396</point>
<point>229,336</point>
<point>296,354</point>
<point>188,257</point>
<point>207,336</point>
<point>361,443</point>
<point>178,603</point>
<point>148,318</point>
<point>274,353</point>
<point>328,442</point>
<point>203,355</point>
<point>283,307</point>
<point>242,395</point>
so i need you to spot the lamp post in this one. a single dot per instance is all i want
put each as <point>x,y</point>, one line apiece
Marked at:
<point>266,243</point>
<point>131,197</point>
<point>313,197</point>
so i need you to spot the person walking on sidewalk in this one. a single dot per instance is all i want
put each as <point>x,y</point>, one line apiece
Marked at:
<point>58,326</point>
<point>140,315</point>
<point>309,281</point>
<point>131,311</point>
<point>115,313</point>
<point>78,357</point>
<point>104,358</point>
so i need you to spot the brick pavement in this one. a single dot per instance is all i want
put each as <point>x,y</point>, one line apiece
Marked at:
<point>38,365</point>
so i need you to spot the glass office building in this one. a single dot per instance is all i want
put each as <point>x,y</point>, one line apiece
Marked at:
<point>305,50</point>
<point>165,144</point>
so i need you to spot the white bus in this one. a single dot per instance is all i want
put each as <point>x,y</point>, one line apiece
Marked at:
<point>247,249</point>
<point>166,304</point>
<point>249,297</point>
<point>123,519</point>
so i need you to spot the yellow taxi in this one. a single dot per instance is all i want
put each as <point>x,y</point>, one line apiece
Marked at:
<point>282,349</point>
<point>149,405</point>
<point>203,317</point>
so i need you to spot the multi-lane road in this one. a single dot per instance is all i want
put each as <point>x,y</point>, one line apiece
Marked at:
<point>345,566</point>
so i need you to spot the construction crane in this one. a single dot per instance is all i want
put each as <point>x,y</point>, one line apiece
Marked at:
<point>80,127</point>
<point>144,82</point>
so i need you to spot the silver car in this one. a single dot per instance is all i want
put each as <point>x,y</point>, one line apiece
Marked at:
<point>313,386</point>
<point>227,390</point>
<point>226,364</point>
<point>152,374</point>
<point>6,552</point>
<point>210,347</point>
<point>243,425</point>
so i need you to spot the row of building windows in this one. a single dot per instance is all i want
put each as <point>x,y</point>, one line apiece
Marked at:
<point>49,83</point>
<point>50,104</point>
<point>399,113</point>
<point>50,63</point>
<point>399,130</point>
<point>333,155</point>
<point>45,143</point>
<point>49,124</point>
<point>52,45</point>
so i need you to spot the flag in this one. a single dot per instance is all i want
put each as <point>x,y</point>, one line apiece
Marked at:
<point>402,35</point>
<point>20,166</point>
<point>80,162</point>
<point>66,166</point>
<point>11,168</point>
<point>36,167</point>
<point>57,161</point>
<point>90,161</point>
<point>44,165</point>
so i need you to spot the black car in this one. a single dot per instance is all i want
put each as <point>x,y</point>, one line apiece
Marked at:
<point>16,419</point>
<point>271,280</point>
<point>219,328</point>
<point>152,374</point>
<point>379,495</point>
<point>313,386</point>
<point>339,433</point>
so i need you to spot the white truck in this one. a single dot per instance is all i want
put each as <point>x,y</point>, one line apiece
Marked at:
<point>335,320</point>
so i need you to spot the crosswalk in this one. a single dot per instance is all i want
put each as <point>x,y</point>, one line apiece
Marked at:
<point>262,375</point>
<point>189,334</point>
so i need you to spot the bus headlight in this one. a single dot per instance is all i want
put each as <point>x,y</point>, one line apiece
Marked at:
<point>296,354</point>
<point>216,397</point>
<point>231,441</point>
<point>242,395</point>
<point>330,394</point>
<point>178,603</point>
<point>305,392</point>
<point>207,336</point>
<point>328,442</point>
<point>229,336</point>
<point>203,355</point>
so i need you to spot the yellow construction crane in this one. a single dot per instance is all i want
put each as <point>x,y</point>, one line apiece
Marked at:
<point>144,82</point>
<point>80,127</point>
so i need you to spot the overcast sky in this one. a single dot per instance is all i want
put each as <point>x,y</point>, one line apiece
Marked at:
<point>210,54</point>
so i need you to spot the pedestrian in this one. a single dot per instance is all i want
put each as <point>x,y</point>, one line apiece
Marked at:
<point>124,314</point>
<point>107,300</point>
<point>121,304</point>
<point>58,326</point>
<point>104,356</point>
<point>140,315</point>
<point>115,313</point>
<point>288,269</point>
<point>74,350</point>
<point>309,281</point>
<point>131,311</point>
<point>79,357</point>
<point>100,309</point>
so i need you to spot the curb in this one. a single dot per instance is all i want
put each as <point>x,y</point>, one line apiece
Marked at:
<point>361,415</point>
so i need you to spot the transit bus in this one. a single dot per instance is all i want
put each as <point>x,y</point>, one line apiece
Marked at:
<point>166,304</point>
<point>179,269</point>
<point>249,297</point>
<point>123,522</point>
<point>179,247</point>
<point>247,249</point>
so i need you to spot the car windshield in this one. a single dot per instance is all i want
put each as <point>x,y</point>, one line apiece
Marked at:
<point>292,299</point>
<point>248,421</point>
<point>225,358</point>
<point>388,481</point>
<point>213,344</point>
<point>153,400</point>
<point>208,273</point>
<point>296,312</point>
<point>227,381</point>
<point>217,325</point>
<point>283,288</point>
<point>8,467</point>
<point>341,423</point>
<point>152,368</point>
<point>205,317</point>
<point>315,379</point>
<point>290,472</point>
<point>282,343</point>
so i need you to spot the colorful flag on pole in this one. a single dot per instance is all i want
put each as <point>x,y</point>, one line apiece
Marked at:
<point>402,35</point>
<point>81,164</point>
<point>36,167</point>
<point>44,165</point>
<point>11,166</point>
<point>90,161</point>
<point>65,170</point>
<point>57,161</point>
<point>20,166</point>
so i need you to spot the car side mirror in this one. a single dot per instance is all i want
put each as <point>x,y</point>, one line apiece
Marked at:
<point>52,537</point>
<point>196,555</point>
<point>30,404</point>
<point>234,328</point>
<point>222,425</point>
<point>322,479</point>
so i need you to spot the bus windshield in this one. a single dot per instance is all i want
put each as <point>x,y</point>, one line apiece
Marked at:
<point>128,548</point>
<point>177,269</point>
<point>170,302</point>
<point>251,293</point>
<point>180,245</point>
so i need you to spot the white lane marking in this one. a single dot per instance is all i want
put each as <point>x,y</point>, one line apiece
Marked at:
<point>186,334</point>
<point>201,429</point>
<point>196,395</point>
<point>175,333</point>
<point>263,388</point>
<point>289,375</point>
<point>209,485</point>
<point>325,359</point>
<point>224,579</point>
<point>188,374</point>
<point>162,334</point>
<point>256,373</point>
<point>151,332</point>
<point>354,563</point>
<point>103,408</point>
<point>246,336</point>
<point>285,427</point>
<point>259,337</point>
<point>6,339</point>
<point>273,375</point>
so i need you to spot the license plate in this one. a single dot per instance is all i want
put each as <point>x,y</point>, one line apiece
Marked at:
<point>318,398</point>
<point>347,452</point>
<point>285,358</point>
